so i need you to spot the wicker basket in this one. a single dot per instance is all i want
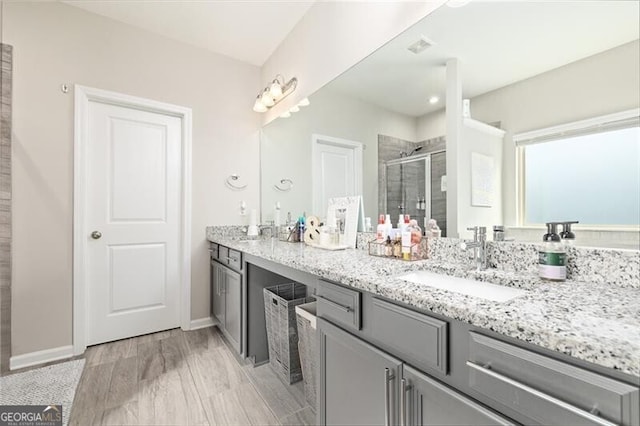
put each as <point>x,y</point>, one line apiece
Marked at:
<point>282,332</point>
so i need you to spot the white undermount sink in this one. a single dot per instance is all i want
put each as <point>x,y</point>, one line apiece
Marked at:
<point>493,292</point>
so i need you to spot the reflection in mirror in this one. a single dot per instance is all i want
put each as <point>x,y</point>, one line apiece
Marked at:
<point>524,66</point>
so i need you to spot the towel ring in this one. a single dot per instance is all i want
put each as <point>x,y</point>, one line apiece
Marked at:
<point>286,183</point>
<point>230,182</point>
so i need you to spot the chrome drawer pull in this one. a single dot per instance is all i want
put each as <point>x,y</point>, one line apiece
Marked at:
<point>403,403</point>
<point>388,376</point>
<point>541,395</point>
<point>346,309</point>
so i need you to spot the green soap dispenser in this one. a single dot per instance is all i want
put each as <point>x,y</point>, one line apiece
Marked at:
<point>552,257</point>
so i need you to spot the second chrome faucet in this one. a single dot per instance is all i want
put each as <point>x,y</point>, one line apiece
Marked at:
<point>479,246</point>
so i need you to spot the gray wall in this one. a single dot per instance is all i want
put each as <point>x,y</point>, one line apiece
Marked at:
<point>55,43</point>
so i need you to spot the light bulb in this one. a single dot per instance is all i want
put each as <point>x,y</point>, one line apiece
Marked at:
<point>304,102</point>
<point>433,100</point>
<point>266,99</point>
<point>294,109</point>
<point>258,106</point>
<point>275,90</point>
<point>285,114</point>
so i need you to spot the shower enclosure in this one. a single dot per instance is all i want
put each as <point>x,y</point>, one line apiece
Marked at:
<point>412,185</point>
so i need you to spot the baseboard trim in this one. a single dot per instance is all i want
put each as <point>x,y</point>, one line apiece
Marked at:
<point>40,357</point>
<point>202,323</point>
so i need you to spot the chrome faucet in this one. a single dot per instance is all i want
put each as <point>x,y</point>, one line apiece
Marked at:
<point>479,246</point>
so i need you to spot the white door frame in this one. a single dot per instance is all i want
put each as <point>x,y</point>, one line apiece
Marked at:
<point>357,148</point>
<point>84,95</point>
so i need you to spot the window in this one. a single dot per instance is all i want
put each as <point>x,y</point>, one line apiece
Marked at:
<point>587,171</point>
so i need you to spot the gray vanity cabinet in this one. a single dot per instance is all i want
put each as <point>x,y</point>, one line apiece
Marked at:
<point>226,294</point>
<point>233,307</point>
<point>429,402</point>
<point>359,383</point>
<point>217,291</point>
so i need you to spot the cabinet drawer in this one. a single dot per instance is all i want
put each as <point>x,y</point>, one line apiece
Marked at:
<point>339,305</point>
<point>213,251</point>
<point>223,254</point>
<point>548,391</point>
<point>234,259</point>
<point>419,339</point>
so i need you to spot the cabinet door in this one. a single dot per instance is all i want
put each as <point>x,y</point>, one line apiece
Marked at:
<point>233,307</point>
<point>358,383</point>
<point>428,402</point>
<point>217,292</point>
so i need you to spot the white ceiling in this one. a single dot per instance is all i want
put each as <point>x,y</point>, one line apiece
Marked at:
<point>245,30</point>
<point>498,43</point>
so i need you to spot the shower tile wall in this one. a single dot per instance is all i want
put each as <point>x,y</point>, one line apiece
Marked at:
<point>5,206</point>
<point>389,148</point>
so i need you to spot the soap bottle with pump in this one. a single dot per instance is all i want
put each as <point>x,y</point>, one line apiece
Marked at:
<point>552,256</point>
<point>568,237</point>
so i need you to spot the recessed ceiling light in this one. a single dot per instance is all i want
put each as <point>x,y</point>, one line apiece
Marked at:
<point>434,100</point>
<point>420,45</point>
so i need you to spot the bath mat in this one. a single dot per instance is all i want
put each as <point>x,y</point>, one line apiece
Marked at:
<point>52,385</point>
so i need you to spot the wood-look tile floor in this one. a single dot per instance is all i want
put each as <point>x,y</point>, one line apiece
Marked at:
<point>182,378</point>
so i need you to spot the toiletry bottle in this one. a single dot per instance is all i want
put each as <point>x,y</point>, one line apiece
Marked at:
<point>433,231</point>
<point>552,258</point>
<point>406,241</point>
<point>301,229</point>
<point>388,247</point>
<point>568,237</point>
<point>498,233</point>
<point>416,239</point>
<point>400,223</point>
<point>276,215</point>
<point>380,230</point>
<point>387,225</point>
<point>367,225</point>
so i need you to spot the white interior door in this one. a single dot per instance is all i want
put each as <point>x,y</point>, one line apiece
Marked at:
<point>133,220</point>
<point>337,170</point>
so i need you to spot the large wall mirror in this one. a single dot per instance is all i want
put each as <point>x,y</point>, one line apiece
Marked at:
<point>524,66</point>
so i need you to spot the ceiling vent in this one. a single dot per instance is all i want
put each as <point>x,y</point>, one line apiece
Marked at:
<point>420,45</point>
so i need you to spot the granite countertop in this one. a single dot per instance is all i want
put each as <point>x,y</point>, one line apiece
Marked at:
<point>591,321</point>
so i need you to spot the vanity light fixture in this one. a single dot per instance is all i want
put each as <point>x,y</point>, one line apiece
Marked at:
<point>276,91</point>
<point>434,100</point>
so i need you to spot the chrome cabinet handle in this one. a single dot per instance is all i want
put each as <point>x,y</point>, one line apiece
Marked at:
<point>229,259</point>
<point>388,377</point>
<point>96,235</point>
<point>403,403</point>
<point>346,309</point>
<point>548,398</point>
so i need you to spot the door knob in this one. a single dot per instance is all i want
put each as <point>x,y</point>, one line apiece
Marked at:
<point>96,235</point>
